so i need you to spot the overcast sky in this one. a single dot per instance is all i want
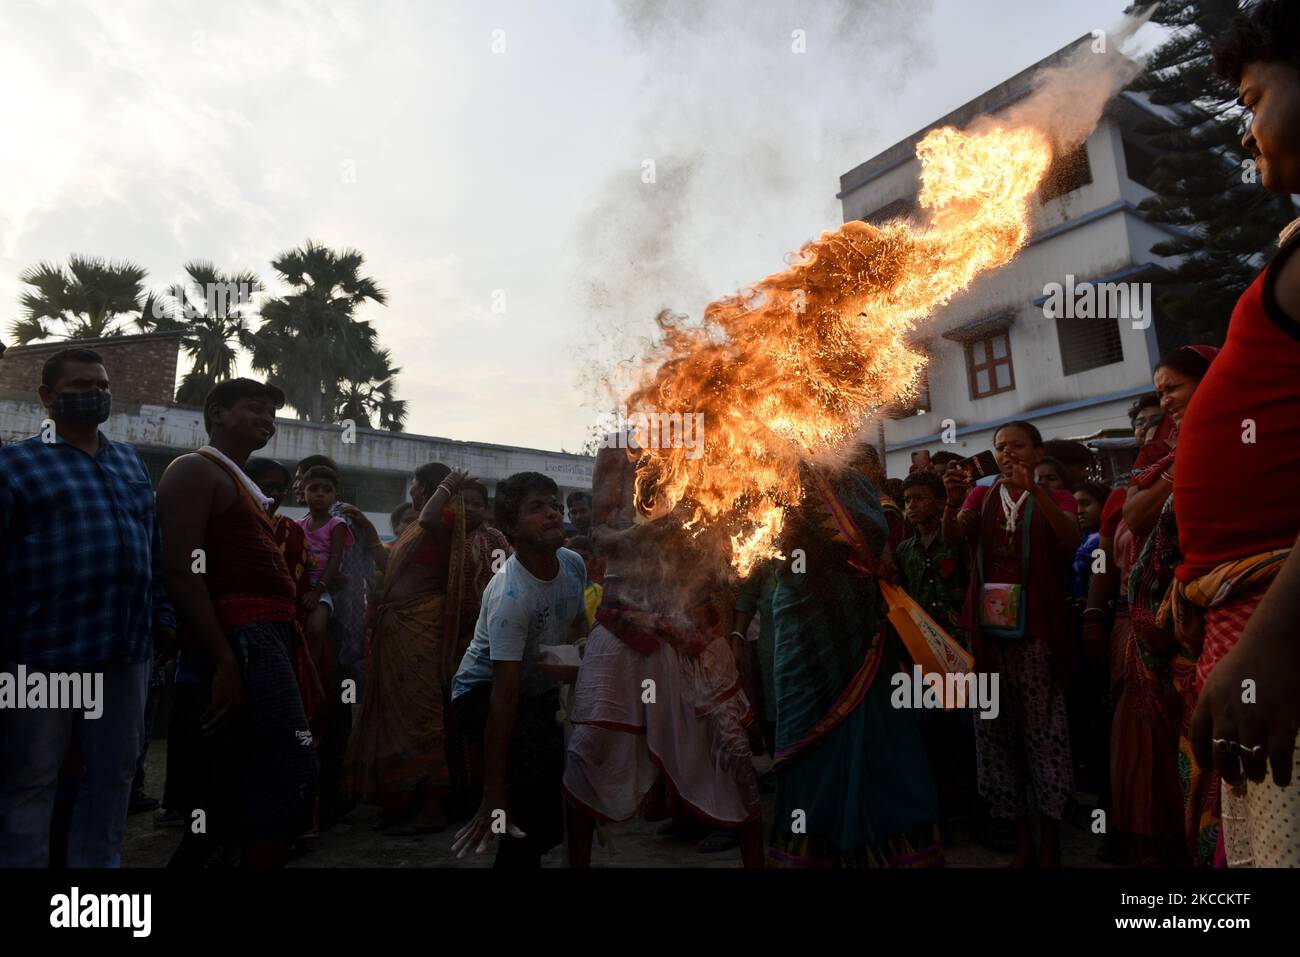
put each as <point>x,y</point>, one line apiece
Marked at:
<point>488,158</point>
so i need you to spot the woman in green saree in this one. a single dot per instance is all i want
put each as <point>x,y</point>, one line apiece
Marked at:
<point>854,787</point>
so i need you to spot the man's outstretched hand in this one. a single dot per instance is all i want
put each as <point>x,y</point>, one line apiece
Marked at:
<point>481,831</point>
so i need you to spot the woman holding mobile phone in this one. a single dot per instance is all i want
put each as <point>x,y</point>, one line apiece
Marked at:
<point>1023,537</point>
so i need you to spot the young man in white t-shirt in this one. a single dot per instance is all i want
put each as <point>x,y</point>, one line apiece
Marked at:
<point>505,691</point>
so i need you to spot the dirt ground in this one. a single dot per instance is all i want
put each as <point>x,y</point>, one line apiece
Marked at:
<point>354,842</point>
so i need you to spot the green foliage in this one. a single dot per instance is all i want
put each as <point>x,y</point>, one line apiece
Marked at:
<point>87,300</point>
<point>366,397</point>
<point>1202,181</point>
<point>214,310</point>
<point>312,346</point>
<point>309,343</point>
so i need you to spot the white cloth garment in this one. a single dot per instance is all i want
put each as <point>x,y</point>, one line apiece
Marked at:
<point>1261,822</point>
<point>692,729</point>
<point>243,476</point>
<point>1289,230</point>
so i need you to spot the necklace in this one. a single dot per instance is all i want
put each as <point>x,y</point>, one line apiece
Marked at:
<point>1010,509</point>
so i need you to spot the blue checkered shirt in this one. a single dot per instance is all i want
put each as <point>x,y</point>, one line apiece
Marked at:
<point>80,556</point>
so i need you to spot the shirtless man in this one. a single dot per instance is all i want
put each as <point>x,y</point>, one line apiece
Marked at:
<point>658,692</point>
<point>236,601</point>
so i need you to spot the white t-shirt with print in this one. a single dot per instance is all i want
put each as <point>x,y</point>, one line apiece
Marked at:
<point>520,614</point>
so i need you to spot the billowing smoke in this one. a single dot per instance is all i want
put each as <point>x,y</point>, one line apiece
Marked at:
<point>696,217</point>
<point>1066,104</point>
<point>1068,99</point>
<point>736,116</point>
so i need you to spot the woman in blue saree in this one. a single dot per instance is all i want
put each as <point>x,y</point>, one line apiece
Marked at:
<point>854,787</point>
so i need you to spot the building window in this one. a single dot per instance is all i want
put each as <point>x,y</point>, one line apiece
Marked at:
<point>1066,174</point>
<point>988,364</point>
<point>898,209</point>
<point>1088,343</point>
<point>1139,160</point>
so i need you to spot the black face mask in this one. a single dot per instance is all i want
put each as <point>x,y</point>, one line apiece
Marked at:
<point>83,408</point>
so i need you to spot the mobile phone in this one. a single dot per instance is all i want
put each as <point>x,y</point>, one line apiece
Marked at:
<point>981,465</point>
<point>921,459</point>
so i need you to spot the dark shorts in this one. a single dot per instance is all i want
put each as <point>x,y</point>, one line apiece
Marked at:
<point>534,770</point>
<point>254,779</point>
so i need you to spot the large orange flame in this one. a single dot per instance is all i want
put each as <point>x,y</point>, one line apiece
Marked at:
<point>791,369</point>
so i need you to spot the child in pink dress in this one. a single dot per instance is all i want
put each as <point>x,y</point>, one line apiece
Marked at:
<point>328,539</point>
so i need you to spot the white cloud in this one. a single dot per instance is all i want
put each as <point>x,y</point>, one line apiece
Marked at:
<point>168,132</point>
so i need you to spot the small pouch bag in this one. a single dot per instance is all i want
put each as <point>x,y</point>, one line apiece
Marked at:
<point>1002,604</point>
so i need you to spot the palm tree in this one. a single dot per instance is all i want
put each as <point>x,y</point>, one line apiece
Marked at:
<point>309,341</point>
<point>369,398</point>
<point>212,308</point>
<point>83,302</point>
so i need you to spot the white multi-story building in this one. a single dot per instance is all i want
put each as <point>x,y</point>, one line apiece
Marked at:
<point>994,353</point>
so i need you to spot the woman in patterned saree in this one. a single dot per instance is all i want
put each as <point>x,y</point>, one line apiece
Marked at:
<point>1164,802</point>
<point>397,757</point>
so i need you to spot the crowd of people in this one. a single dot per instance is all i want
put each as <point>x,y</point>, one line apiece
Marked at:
<point>527,680</point>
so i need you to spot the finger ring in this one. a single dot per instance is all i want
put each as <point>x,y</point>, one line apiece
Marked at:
<point>1224,746</point>
<point>1256,752</point>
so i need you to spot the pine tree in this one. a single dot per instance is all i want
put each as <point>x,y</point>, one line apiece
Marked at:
<point>1205,182</point>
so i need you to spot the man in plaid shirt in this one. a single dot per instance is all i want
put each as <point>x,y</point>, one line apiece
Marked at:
<point>81,591</point>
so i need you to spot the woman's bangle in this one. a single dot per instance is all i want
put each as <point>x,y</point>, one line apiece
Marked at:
<point>1167,477</point>
<point>1094,611</point>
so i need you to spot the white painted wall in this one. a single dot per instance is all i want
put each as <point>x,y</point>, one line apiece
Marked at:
<point>1100,247</point>
<point>381,520</point>
<point>175,427</point>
